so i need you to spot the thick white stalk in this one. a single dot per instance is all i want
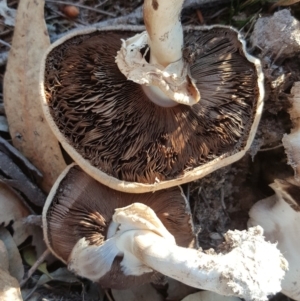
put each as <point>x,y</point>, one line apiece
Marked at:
<point>165,34</point>
<point>165,39</point>
<point>248,267</point>
<point>166,77</point>
<point>252,270</point>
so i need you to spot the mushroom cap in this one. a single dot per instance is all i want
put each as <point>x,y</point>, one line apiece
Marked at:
<point>118,136</point>
<point>80,207</point>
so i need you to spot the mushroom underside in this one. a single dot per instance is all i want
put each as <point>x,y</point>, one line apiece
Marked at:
<point>112,124</point>
<point>82,207</point>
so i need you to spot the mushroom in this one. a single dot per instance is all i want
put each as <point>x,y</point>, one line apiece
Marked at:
<point>80,207</point>
<point>129,246</point>
<point>195,107</point>
<point>248,266</point>
<point>279,215</point>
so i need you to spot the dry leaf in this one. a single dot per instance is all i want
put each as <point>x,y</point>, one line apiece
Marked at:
<point>9,287</point>
<point>15,265</point>
<point>29,131</point>
<point>20,174</point>
<point>145,292</point>
<point>286,2</point>
<point>61,274</point>
<point>30,256</point>
<point>13,210</point>
<point>3,124</point>
<point>12,175</point>
<point>23,163</point>
<point>4,265</point>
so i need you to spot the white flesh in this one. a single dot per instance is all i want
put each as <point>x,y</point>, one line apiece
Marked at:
<point>251,268</point>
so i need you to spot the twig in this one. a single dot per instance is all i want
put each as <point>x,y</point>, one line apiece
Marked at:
<point>30,293</point>
<point>100,11</point>
<point>33,219</point>
<point>5,43</point>
<point>35,266</point>
<point>222,198</point>
<point>5,32</point>
<point>270,148</point>
<point>108,295</point>
<point>200,16</point>
<point>100,4</point>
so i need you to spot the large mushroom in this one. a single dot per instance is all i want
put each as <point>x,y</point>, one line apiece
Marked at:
<point>194,106</point>
<point>126,246</point>
<point>78,206</point>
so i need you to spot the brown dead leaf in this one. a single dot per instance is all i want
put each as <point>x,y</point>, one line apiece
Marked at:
<point>15,265</point>
<point>29,131</point>
<point>20,174</point>
<point>9,287</point>
<point>286,2</point>
<point>14,212</point>
<point>145,292</point>
<point>3,257</point>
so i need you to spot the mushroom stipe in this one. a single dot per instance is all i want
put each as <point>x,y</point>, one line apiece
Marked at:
<point>117,135</point>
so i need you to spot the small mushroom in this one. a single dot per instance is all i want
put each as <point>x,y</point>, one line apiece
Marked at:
<point>155,133</point>
<point>279,215</point>
<point>129,245</point>
<point>80,207</point>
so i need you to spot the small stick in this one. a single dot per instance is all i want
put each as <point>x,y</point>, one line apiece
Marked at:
<point>270,148</point>
<point>108,295</point>
<point>5,43</point>
<point>35,266</point>
<point>100,11</point>
<point>200,16</point>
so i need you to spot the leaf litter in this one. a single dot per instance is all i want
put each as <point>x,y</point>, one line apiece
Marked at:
<point>220,201</point>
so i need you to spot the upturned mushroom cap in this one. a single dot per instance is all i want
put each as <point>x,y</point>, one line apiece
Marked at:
<point>78,207</point>
<point>118,136</point>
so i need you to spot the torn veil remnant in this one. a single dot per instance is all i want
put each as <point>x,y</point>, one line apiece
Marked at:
<point>155,133</point>
<point>123,246</point>
<point>279,215</point>
<point>78,207</point>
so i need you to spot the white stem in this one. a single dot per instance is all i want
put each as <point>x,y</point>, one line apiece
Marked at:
<point>166,78</point>
<point>251,270</point>
<point>249,267</point>
<point>165,34</point>
<point>165,39</point>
